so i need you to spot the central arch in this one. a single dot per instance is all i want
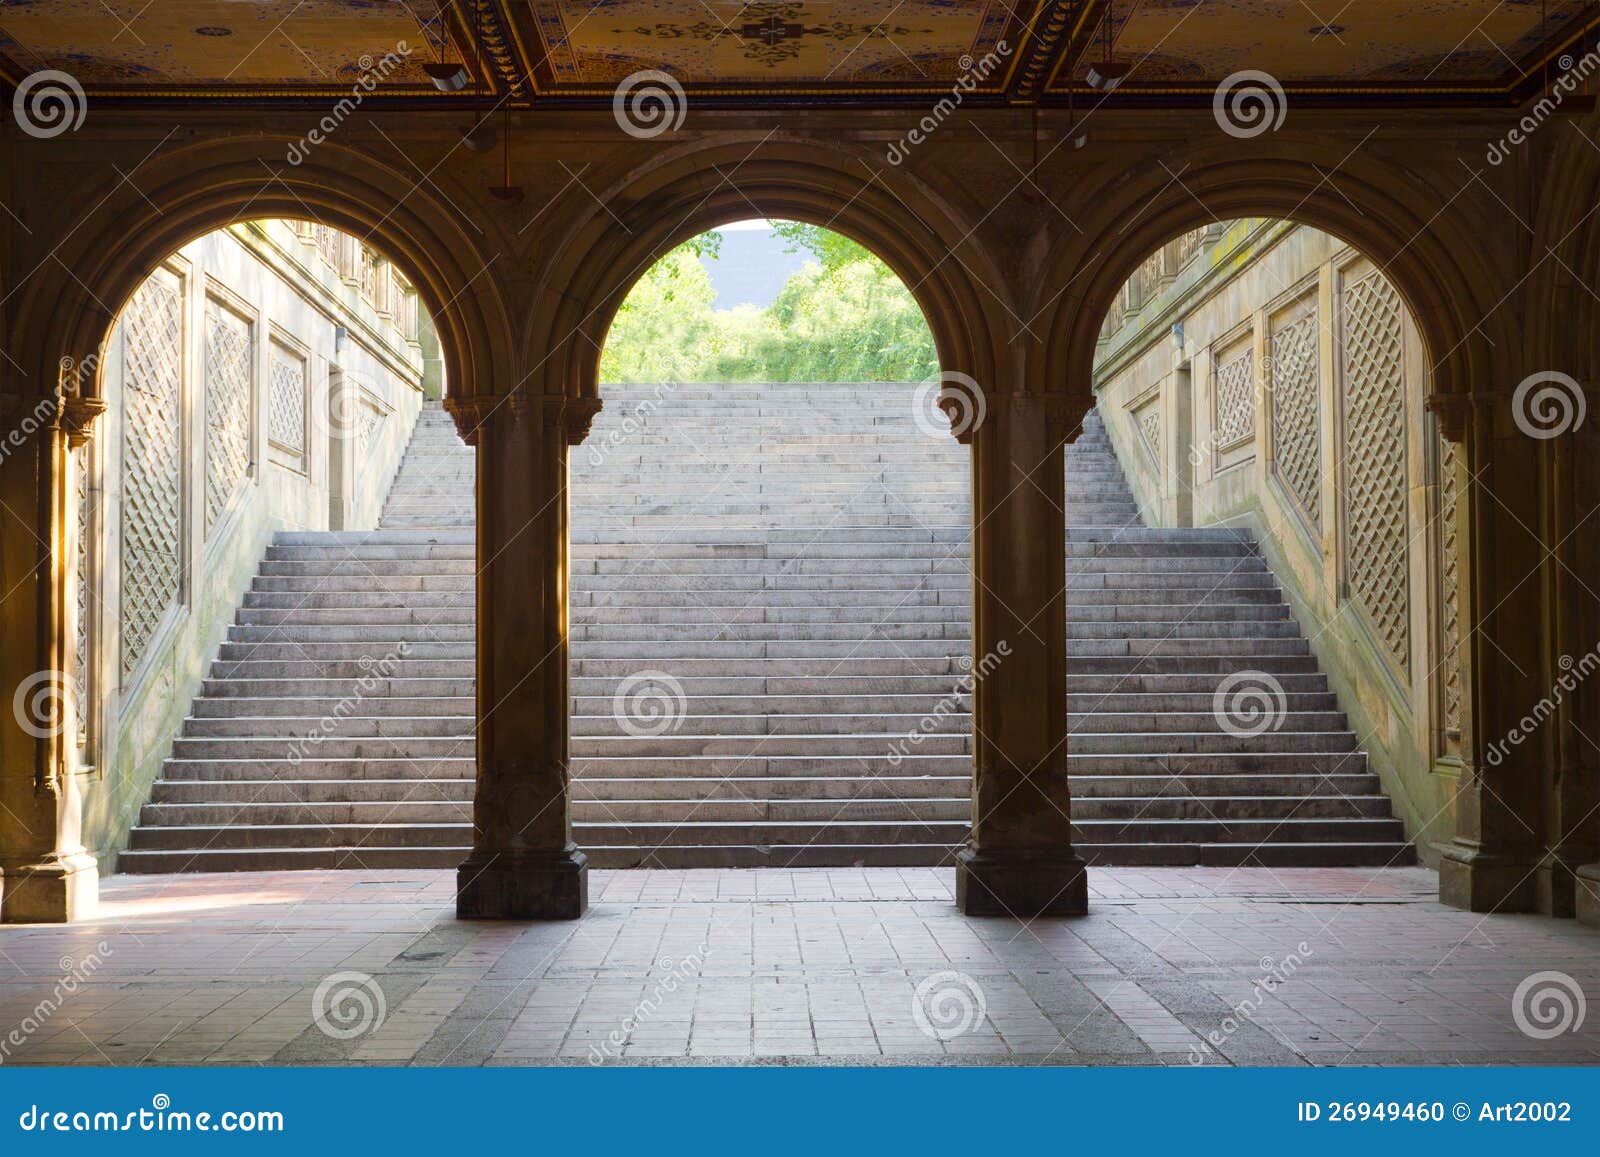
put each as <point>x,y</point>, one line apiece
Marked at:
<point>652,209</point>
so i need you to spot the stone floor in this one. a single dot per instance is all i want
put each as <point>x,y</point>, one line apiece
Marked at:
<point>854,966</point>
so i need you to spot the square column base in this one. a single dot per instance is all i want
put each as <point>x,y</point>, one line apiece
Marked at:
<point>1021,885</point>
<point>1479,882</point>
<point>518,886</point>
<point>55,892</point>
<point>1589,895</point>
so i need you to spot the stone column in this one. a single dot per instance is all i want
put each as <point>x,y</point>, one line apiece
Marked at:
<point>1019,860</point>
<point>1491,865</point>
<point>46,874</point>
<point>524,864</point>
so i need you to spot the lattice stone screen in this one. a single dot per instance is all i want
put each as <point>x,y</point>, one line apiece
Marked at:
<point>1374,479</point>
<point>1148,422</point>
<point>1450,689</point>
<point>1296,412</point>
<point>152,463</point>
<point>1235,400</point>
<point>286,404</point>
<point>228,382</point>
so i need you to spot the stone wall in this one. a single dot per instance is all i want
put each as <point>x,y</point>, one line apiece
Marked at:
<point>1266,375</point>
<point>266,377</point>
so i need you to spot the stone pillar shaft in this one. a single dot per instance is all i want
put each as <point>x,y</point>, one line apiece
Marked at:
<point>46,874</point>
<point>524,864</point>
<point>1492,863</point>
<point>1019,860</point>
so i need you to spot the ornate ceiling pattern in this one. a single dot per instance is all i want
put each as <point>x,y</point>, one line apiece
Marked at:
<point>754,52</point>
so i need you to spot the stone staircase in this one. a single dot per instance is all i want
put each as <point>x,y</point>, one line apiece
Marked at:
<point>770,595</point>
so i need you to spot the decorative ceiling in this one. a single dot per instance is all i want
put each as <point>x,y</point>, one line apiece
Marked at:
<point>861,52</point>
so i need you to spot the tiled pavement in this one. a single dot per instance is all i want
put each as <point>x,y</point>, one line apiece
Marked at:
<point>1305,966</point>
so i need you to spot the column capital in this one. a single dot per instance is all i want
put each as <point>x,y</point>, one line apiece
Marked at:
<point>472,414</point>
<point>1060,414</point>
<point>1453,412</point>
<point>78,416</point>
<point>576,415</point>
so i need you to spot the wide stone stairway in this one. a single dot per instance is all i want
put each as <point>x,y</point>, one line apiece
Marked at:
<point>770,616</point>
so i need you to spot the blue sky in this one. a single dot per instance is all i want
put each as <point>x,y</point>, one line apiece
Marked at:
<point>753,265</point>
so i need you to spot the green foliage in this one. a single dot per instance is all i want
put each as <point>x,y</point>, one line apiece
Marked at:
<point>832,249</point>
<point>843,318</point>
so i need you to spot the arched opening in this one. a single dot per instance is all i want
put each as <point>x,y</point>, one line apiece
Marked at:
<point>771,588</point>
<point>1294,625</point>
<point>236,630</point>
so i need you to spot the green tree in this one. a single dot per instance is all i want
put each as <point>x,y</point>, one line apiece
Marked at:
<point>842,318</point>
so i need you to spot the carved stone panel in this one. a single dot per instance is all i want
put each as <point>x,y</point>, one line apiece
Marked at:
<point>1297,410</point>
<point>152,462</point>
<point>1376,539</point>
<point>228,379</point>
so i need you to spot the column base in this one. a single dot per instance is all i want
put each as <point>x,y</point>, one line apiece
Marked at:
<point>521,886</point>
<point>1589,895</point>
<point>1480,882</point>
<point>1021,885</point>
<point>56,891</point>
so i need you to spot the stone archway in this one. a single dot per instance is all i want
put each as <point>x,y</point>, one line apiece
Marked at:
<point>1020,858</point>
<point>1444,253</point>
<point>61,315</point>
